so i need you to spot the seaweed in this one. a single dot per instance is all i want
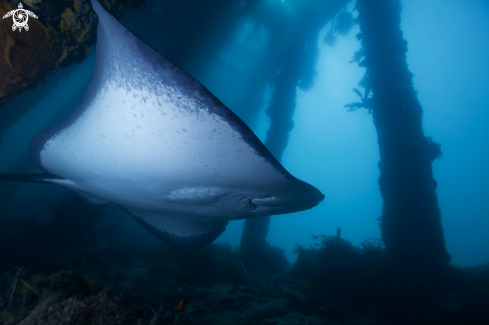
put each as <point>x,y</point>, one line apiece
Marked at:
<point>365,279</point>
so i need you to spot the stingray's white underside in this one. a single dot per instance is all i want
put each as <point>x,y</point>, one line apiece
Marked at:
<point>146,154</point>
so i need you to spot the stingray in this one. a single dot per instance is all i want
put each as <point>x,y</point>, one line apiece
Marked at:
<point>153,140</point>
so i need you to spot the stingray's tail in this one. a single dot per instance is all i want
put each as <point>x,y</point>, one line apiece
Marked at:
<point>30,178</point>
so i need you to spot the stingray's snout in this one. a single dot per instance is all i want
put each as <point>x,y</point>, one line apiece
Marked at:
<point>301,198</point>
<point>307,197</point>
<point>320,196</point>
<point>313,197</point>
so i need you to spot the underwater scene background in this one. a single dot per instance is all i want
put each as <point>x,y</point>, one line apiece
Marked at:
<point>287,69</point>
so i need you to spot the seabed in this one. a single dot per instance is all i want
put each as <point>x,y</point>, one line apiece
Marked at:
<point>65,272</point>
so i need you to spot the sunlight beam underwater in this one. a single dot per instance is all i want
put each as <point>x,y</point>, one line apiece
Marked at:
<point>151,139</point>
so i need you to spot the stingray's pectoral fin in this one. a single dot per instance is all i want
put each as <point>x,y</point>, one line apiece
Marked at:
<point>31,178</point>
<point>181,232</point>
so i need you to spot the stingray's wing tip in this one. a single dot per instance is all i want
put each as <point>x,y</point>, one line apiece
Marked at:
<point>96,5</point>
<point>101,12</point>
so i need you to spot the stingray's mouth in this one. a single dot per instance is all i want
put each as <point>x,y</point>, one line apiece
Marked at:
<point>253,204</point>
<point>273,205</point>
<point>247,205</point>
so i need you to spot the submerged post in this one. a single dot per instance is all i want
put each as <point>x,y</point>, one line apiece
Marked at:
<point>411,219</point>
<point>298,71</point>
